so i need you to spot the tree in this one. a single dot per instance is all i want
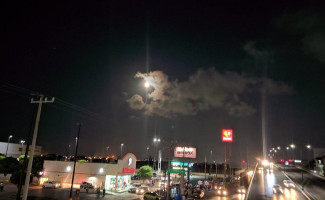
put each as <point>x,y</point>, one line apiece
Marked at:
<point>145,172</point>
<point>9,165</point>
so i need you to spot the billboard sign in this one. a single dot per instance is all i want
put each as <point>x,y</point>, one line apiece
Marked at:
<point>185,152</point>
<point>227,135</point>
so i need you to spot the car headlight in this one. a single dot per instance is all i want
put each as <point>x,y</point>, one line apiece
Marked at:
<point>219,192</point>
<point>239,190</point>
<point>137,190</point>
<point>243,191</point>
<point>225,192</point>
<point>141,191</point>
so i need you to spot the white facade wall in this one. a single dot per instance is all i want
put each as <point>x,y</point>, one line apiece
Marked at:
<point>95,173</point>
<point>15,150</point>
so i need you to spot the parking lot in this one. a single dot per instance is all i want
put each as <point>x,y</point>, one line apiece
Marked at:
<point>37,193</point>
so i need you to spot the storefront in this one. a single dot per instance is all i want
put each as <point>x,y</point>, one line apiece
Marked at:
<point>114,177</point>
<point>122,180</point>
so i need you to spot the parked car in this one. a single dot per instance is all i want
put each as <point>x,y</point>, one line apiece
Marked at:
<point>132,190</point>
<point>152,195</point>
<point>288,183</point>
<point>86,185</point>
<point>142,190</point>
<point>277,189</point>
<point>51,184</point>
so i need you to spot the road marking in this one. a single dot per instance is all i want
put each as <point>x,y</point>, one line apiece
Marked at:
<point>302,191</point>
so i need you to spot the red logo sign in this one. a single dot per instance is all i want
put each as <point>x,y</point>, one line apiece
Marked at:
<point>128,170</point>
<point>226,135</point>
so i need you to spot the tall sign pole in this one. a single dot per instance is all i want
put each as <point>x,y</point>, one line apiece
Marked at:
<point>227,137</point>
<point>30,162</point>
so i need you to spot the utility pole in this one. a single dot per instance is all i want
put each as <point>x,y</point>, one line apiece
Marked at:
<point>75,159</point>
<point>205,167</point>
<point>30,162</point>
<point>210,162</point>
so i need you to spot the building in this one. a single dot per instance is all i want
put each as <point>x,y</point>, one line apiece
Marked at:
<point>15,150</point>
<point>114,177</point>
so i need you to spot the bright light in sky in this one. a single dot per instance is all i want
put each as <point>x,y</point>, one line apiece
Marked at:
<point>146,84</point>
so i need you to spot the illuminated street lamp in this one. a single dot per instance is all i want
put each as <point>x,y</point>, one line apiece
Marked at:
<point>10,136</point>
<point>22,145</point>
<point>279,148</point>
<point>287,148</point>
<point>156,141</point>
<point>292,146</point>
<point>122,149</point>
<point>308,146</point>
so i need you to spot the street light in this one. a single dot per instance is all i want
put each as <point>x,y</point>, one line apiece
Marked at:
<point>287,148</point>
<point>156,141</point>
<point>148,154</point>
<point>122,149</point>
<point>22,145</point>
<point>292,146</point>
<point>10,136</point>
<point>279,148</point>
<point>308,146</point>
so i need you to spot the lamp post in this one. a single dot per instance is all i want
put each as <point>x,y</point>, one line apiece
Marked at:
<point>156,141</point>
<point>10,136</point>
<point>22,145</point>
<point>148,154</point>
<point>107,149</point>
<point>122,149</point>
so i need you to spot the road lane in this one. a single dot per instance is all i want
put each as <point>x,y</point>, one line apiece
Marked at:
<point>263,183</point>
<point>314,186</point>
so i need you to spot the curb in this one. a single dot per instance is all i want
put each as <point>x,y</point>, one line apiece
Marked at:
<point>314,174</point>
<point>250,184</point>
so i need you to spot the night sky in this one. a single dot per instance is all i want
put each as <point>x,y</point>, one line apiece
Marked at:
<point>205,61</point>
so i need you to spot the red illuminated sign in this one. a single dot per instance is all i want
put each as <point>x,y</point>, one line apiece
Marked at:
<point>128,170</point>
<point>226,135</point>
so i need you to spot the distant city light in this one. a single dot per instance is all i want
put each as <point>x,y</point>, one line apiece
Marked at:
<point>308,146</point>
<point>279,148</point>
<point>292,146</point>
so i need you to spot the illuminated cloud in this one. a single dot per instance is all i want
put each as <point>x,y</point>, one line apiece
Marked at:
<point>204,90</point>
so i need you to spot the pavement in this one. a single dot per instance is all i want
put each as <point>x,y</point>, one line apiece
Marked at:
<point>262,187</point>
<point>37,193</point>
<point>313,185</point>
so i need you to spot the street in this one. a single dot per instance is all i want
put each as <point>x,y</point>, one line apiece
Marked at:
<point>314,186</point>
<point>262,186</point>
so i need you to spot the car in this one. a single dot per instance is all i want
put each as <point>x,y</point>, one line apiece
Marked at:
<point>289,184</point>
<point>269,170</point>
<point>277,189</point>
<point>222,191</point>
<point>51,184</point>
<point>86,185</point>
<point>132,190</point>
<point>241,190</point>
<point>198,194</point>
<point>142,190</point>
<point>152,195</point>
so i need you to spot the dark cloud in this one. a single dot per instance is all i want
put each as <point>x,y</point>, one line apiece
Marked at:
<point>204,90</point>
<point>309,26</point>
